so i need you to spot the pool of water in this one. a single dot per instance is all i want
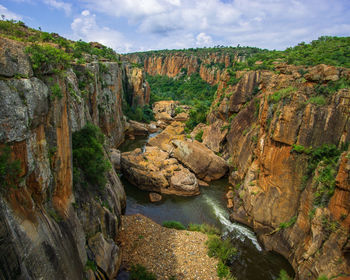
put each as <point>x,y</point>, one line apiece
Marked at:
<point>251,263</point>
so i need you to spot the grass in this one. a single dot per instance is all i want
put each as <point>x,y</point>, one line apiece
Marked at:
<point>139,272</point>
<point>174,224</point>
<point>221,249</point>
<point>199,136</point>
<point>288,224</point>
<point>204,228</point>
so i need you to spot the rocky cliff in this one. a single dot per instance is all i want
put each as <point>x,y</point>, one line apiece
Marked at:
<point>50,230</point>
<point>285,135</point>
<point>208,64</point>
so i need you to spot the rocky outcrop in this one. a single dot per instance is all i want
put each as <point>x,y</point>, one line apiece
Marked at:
<point>199,159</point>
<point>154,170</point>
<point>272,121</point>
<point>138,90</point>
<point>48,229</point>
<point>209,64</point>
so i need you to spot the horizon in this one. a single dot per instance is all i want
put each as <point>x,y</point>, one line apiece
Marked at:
<point>137,26</point>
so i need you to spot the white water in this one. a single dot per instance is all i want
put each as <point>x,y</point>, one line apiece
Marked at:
<point>240,232</point>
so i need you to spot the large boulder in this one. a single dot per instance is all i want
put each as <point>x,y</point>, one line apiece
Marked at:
<point>172,132</point>
<point>153,170</point>
<point>199,159</point>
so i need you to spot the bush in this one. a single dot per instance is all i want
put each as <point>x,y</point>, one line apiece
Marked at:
<point>138,272</point>
<point>222,270</point>
<point>221,249</point>
<point>317,100</point>
<point>173,224</point>
<point>56,92</point>
<point>281,94</point>
<point>47,59</point>
<point>289,223</point>
<point>199,135</point>
<point>88,156</point>
<point>284,275</point>
<point>204,228</point>
<point>9,170</point>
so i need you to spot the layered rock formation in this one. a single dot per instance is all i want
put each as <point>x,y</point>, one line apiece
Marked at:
<point>50,230</point>
<point>272,124</point>
<point>209,65</point>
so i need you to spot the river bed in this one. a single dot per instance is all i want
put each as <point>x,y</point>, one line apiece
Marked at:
<point>251,263</point>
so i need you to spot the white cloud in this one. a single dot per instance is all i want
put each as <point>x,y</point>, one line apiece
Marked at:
<point>8,14</point>
<point>86,28</point>
<point>262,23</point>
<point>203,39</point>
<point>66,7</point>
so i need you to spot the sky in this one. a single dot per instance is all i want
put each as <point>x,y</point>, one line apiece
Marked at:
<point>139,25</point>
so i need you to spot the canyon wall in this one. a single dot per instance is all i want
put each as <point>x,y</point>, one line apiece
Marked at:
<point>48,229</point>
<point>276,130</point>
<point>209,65</point>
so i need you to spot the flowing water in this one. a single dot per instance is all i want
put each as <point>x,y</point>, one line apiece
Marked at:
<point>252,262</point>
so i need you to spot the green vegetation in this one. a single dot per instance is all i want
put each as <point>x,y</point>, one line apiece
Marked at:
<point>199,136</point>
<point>89,162</point>
<point>90,265</point>
<point>191,91</point>
<point>144,114</point>
<point>56,92</point>
<point>139,272</point>
<point>54,215</point>
<point>324,158</point>
<point>173,224</point>
<point>281,94</point>
<point>221,249</point>
<point>288,224</point>
<point>47,59</point>
<point>204,228</point>
<point>284,275</point>
<point>9,170</point>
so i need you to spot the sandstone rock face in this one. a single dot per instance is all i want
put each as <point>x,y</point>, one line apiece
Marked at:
<point>199,159</point>
<point>275,188</point>
<point>138,86</point>
<point>153,170</point>
<point>115,157</point>
<point>45,224</point>
<point>164,139</point>
<point>179,64</point>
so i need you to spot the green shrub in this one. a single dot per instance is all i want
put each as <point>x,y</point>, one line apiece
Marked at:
<point>47,59</point>
<point>322,277</point>
<point>56,92</point>
<point>139,272</point>
<point>221,249</point>
<point>88,156</point>
<point>281,94</point>
<point>199,136</point>
<point>289,223</point>
<point>284,275</point>
<point>317,100</point>
<point>90,265</point>
<point>204,228</point>
<point>9,170</point>
<point>173,224</point>
<point>222,270</point>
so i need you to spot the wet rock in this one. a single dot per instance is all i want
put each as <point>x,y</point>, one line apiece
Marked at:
<point>155,197</point>
<point>202,183</point>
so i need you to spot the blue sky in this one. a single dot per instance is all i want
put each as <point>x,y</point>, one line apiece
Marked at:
<point>137,25</point>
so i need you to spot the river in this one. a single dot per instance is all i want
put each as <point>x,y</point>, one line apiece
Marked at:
<point>252,262</point>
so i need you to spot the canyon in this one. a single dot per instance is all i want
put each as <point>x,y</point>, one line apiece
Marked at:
<point>283,147</point>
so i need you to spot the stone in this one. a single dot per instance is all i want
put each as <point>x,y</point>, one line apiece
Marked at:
<point>13,59</point>
<point>115,157</point>
<point>229,194</point>
<point>136,128</point>
<point>199,159</point>
<point>154,197</point>
<point>229,203</point>
<point>106,253</point>
<point>153,170</point>
<point>163,140</point>
<point>202,183</point>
